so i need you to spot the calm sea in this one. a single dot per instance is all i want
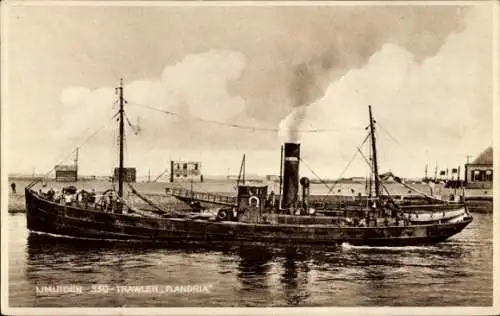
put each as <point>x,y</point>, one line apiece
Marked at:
<point>46,271</point>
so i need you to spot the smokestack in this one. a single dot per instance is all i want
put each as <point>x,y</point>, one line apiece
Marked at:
<point>291,156</point>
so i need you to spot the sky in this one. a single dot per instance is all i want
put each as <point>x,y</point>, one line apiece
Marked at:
<point>288,71</point>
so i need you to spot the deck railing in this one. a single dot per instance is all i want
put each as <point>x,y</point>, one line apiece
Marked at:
<point>202,196</point>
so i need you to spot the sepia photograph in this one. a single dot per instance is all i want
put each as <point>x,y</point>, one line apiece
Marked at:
<point>255,158</point>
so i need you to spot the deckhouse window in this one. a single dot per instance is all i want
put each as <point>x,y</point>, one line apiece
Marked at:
<point>476,175</point>
<point>482,175</point>
<point>489,175</point>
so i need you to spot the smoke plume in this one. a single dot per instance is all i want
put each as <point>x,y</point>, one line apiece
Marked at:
<point>350,38</point>
<point>426,111</point>
<point>308,83</point>
<point>248,65</point>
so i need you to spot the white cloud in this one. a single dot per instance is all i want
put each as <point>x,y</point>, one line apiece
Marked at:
<point>438,108</point>
<point>427,107</point>
<point>197,86</point>
<point>198,81</point>
<point>201,82</point>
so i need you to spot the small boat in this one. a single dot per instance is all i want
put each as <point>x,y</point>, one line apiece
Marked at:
<point>254,217</point>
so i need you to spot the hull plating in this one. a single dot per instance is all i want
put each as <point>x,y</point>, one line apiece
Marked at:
<point>53,218</point>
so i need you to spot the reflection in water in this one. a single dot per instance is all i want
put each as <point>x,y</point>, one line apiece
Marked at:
<point>295,276</point>
<point>253,268</point>
<point>457,272</point>
<point>254,273</point>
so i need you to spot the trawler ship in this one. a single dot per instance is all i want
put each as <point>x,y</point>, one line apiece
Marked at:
<point>252,217</point>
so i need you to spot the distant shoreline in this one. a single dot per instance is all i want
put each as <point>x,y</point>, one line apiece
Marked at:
<point>478,199</point>
<point>32,178</point>
<point>356,180</point>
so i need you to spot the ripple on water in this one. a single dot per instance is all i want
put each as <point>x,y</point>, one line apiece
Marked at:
<point>457,272</point>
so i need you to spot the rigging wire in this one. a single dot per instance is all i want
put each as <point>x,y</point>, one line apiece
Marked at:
<point>210,121</point>
<point>381,182</point>
<point>240,126</point>
<point>73,151</point>
<point>83,134</point>
<point>400,182</point>
<point>135,129</point>
<point>314,173</point>
<point>320,179</point>
<point>388,134</point>
<point>370,177</point>
<point>345,169</point>
<point>82,137</point>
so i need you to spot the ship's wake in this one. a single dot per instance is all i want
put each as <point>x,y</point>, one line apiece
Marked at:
<point>83,238</point>
<point>348,246</point>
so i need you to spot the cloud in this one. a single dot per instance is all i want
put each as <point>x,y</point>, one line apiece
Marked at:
<point>194,88</point>
<point>436,108</point>
<point>348,40</point>
<point>201,82</point>
<point>250,65</point>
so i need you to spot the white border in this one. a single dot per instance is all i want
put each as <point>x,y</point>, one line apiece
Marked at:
<point>496,145</point>
<point>162,3</point>
<point>246,311</point>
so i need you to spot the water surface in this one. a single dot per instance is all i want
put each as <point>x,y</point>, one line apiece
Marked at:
<point>457,272</point>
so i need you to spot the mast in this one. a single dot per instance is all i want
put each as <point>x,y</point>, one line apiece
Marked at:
<point>241,175</point>
<point>244,167</point>
<point>374,153</point>
<point>120,170</point>
<point>76,164</point>
<point>281,178</point>
<point>370,180</point>
<point>171,172</point>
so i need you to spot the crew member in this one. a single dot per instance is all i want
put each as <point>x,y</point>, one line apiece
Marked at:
<point>271,199</point>
<point>50,194</point>
<point>43,188</point>
<point>91,197</point>
<point>68,198</point>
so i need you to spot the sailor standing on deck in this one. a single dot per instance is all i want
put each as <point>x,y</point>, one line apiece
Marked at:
<point>43,189</point>
<point>57,196</point>
<point>68,198</point>
<point>50,194</point>
<point>92,197</point>
<point>272,199</point>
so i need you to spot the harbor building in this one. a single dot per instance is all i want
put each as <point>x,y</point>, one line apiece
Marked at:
<point>185,170</point>
<point>479,173</point>
<point>129,174</point>
<point>66,173</point>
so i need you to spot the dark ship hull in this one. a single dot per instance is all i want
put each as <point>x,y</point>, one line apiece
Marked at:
<point>86,222</point>
<point>252,218</point>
